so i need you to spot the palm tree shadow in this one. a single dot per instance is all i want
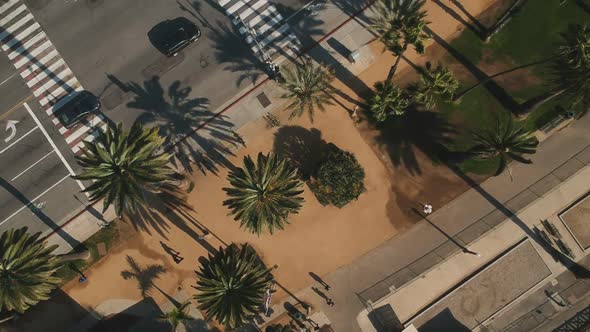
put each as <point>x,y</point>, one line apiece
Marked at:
<point>303,148</point>
<point>579,271</point>
<point>194,135</point>
<point>505,99</point>
<point>194,9</point>
<point>145,276</point>
<point>169,206</point>
<point>427,131</point>
<point>230,48</point>
<point>478,29</point>
<point>356,9</point>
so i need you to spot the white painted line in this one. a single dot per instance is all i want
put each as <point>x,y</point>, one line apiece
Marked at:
<point>251,8</point>
<point>18,140</point>
<point>8,78</point>
<point>223,2</point>
<point>7,5</point>
<point>90,138</point>
<point>38,64</point>
<point>28,168</point>
<point>72,83</point>
<point>68,167</point>
<point>12,15</point>
<point>235,7</point>
<point>15,26</point>
<point>32,56</point>
<point>51,69</point>
<point>274,35</point>
<point>276,20</point>
<point>34,199</point>
<point>21,36</point>
<point>61,76</point>
<point>82,130</point>
<point>270,11</point>
<point>26,45</point>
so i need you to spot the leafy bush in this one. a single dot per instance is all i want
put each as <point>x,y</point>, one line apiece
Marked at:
<point>339,179</point>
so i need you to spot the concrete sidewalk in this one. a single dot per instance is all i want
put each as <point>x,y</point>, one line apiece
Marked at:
<point>413,297</point>
<point>558,157</point>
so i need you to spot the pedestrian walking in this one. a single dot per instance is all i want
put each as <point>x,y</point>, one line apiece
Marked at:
<point>320,280</point>
<point>427,209</point>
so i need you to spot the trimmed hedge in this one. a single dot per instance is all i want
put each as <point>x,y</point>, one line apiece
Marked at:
<point>339,179</point>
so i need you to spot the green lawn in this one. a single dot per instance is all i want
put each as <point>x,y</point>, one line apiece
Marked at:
<point>530,36</point>
<point>107,235</point>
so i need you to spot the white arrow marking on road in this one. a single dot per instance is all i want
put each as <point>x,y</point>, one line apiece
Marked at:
<point>10,125</point>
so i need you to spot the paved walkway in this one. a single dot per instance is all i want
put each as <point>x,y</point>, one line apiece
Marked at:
<point>547,171</point>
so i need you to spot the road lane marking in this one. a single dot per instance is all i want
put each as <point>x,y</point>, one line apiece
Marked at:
<point>15,107</point>
<point>68,167</point>
<point>18,140</point>
<point>8,78</point>
<point>34,199</point>
<point>28,168</point>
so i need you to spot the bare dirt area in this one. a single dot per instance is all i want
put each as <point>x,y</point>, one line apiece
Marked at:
<point>319,239</point>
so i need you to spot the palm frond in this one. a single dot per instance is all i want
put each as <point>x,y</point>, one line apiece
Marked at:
<point>124,165</point>
<point>309,87</point>
<point>231,285</point>
<point>27,270</point>
<point>263,194</point>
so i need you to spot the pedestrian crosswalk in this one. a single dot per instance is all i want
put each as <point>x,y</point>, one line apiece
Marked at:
<point>264,28</point>
<point>45,72</point>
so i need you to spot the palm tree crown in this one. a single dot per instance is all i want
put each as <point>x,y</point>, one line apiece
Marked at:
<point>124,165</point>
<point>231,284</point>
<point>264,193</point>
<point>27,270</point>
<point>571,67</point>
<point>177,316</point>
<point>436,81</point>
<point>308,87</point>
<point>388,100</point>
<point>400,23</point>
<point>506,141</point>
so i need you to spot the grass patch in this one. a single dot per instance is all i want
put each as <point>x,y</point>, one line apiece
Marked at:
<point>108,235</point>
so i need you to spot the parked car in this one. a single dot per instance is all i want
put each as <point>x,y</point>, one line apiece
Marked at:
<point>77,108</point>
<point>171,36</point>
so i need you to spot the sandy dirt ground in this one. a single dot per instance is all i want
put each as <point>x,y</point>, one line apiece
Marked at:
<point>319,239</point>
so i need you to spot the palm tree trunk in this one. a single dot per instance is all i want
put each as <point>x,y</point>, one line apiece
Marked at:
<point>507,71</point>
<point>504,19</point>
<point>393,68</point>
<point>532,104</point>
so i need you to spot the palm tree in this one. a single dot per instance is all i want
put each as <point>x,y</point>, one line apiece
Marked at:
<point>399,24</point>
<point>177,316</point>
<point>231,284</point>
<point>125,165</point>
<point>435,82</point>
<point>507,142</point>
<point>570,70</point>
<point>388,100</point>
<point>264,193</point>
<point>308,87</point>
<point>27,268</point>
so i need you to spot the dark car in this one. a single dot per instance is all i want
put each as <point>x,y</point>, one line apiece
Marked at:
<point>171,36</point>
<point>77,108</point>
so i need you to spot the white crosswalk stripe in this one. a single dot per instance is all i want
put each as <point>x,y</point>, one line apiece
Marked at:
<point>45,72</point>
<point>7,5</point>
<point>263,28</point>
<point>20,36</point>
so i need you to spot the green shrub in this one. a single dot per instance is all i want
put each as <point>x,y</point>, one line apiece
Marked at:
<point>339,179</point>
